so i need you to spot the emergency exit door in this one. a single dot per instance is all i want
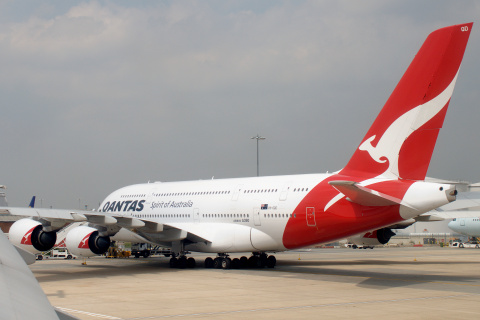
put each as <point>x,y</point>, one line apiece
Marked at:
<point>311,217</point>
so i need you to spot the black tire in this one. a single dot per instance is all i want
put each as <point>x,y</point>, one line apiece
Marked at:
<point>40,257</point>
<point>209,263</point>
<point>69,257</point>
<point>253,262</point>
<point>461,245</point>
<point>191,263</point>
<point>182,262</point>
<point>243,262</point>
<point>271,262</point>
<point>173,262</point>
<point>217,263</point>
<point>137,255</point>
<point>146,254</point>
<point>226,263</point>
<point>236,263</point>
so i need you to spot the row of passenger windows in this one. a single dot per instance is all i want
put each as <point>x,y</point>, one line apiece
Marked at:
<point>162,215</point>
<point>201,193</point>
<point>260,191</point>
<point>133,196</point>
<point>231,215</point>
<point>277,215</point>
<point>190,193</point>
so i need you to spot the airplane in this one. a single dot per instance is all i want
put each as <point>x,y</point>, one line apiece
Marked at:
<point>32,202</point>
<point>382,184</point>
<point>467,226</point>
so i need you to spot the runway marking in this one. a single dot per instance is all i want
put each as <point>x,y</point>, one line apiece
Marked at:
<point>95,315</point>
<point>202,314</point>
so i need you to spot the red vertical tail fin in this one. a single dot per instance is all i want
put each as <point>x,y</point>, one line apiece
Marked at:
<point>401,140</point>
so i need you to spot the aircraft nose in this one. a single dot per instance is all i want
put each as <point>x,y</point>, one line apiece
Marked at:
<point>453,225</point>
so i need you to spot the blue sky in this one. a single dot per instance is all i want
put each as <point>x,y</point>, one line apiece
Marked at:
<point>102,94</point>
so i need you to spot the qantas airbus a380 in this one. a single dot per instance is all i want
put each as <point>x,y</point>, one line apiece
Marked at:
<point>380,187</point>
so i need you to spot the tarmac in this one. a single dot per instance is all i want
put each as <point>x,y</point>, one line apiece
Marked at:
<point>392,283</point>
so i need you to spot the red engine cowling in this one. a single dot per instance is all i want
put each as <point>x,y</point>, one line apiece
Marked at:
<point>86,241</point>
<point>29,235</point>
<point>373,238</point>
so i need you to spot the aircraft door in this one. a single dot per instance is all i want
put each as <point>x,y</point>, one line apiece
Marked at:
<point>284,192</point>
<point>311,217</point>
<point>196,215</point>
<point>256,217</point>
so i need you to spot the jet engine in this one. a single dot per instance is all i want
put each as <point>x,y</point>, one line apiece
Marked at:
<point>30,235</point>
<point>86,241</point>
<point>373,238</point>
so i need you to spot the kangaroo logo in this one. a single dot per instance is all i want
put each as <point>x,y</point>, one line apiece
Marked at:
<point>84,243</point>
<point>390,143</point>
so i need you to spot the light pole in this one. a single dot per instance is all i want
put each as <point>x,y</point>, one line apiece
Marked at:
<point>257,137</point>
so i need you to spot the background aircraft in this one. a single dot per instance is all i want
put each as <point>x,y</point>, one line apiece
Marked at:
<point>467,226</point>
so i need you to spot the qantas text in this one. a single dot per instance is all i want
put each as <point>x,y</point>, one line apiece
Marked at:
<point>128,205</point>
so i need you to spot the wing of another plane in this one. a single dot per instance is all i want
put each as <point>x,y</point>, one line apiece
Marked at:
<point>21,297</point>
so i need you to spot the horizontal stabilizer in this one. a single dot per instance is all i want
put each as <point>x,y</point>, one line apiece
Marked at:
<point>364,196</point>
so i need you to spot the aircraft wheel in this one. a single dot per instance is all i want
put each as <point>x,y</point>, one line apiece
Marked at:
<point>243,262</point>
<point>191,263</point>
<point>209,262</point>
<point>271,262</point>
<point>217,263</point>
<point>236,263</point>
<point>262,260</point>
<point>182,262</point>
<point>173,262</point>
<point>226,263</point>
<point>253,262</point>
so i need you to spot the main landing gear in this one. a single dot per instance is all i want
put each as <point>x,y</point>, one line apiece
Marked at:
<point>182,262</point>
<point>257,260</point>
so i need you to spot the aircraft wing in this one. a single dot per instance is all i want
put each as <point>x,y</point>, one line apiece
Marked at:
<point>455,214</point>
<point>467,205</point>
<point>464,201</point>
<point>165,232</point>
<point>21,297</point>
<point>62,216</point>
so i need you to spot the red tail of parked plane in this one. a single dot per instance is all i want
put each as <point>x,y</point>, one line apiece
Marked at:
<point>401,140</point>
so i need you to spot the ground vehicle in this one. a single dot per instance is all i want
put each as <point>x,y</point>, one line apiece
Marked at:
<point>475,245</point>
<point>354,246</point>
<point>145,250</point>
<point>59,253</point>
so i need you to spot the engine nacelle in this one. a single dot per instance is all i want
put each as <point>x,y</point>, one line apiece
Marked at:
<point>373,238</point>
<point>30,235</point>
<point>86,241</point>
